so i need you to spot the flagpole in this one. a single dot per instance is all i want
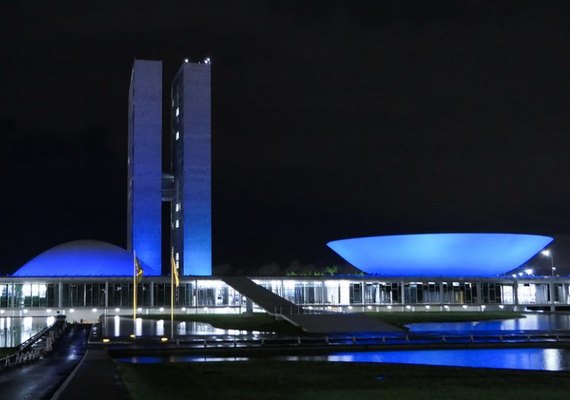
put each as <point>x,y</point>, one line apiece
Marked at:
<point>172,266</point>
<point>134,292</point>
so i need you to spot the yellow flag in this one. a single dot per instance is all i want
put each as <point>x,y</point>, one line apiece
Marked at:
<point>138,270</point>
<point>174,270</point>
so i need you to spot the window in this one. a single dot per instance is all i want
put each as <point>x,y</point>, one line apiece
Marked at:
<point>177,206</point>
<point>177,135</point>
<point>177,111</point>
<point>177,224</point>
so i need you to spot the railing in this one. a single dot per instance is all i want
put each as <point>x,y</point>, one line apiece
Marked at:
<point>409,339</point>
<point>381,341</point>
<point>35,347</point>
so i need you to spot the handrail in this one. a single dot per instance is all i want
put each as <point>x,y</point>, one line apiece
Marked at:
<point>25,351</point>
<point>383,341</point>
<point>22,346</point>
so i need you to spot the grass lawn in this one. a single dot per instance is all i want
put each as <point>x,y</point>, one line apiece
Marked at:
<point>267,379</point>
<point>5,351</point>
<point>403,318</point>
<point>243,322</point>
<point>266,323</point>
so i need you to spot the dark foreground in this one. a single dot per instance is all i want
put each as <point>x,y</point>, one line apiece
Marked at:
<point>269,379</point>
<point>40,379</point>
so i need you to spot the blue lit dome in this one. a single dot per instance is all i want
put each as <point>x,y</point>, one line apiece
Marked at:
<point>82,258</point>
<point>441,254</point>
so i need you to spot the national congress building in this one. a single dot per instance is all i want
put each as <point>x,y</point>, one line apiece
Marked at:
<point>403,272</point>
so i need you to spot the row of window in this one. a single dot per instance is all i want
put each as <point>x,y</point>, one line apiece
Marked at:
<point>218,294</point>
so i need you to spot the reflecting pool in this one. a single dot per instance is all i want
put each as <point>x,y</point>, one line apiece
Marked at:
<point>525,359</point>
<point>16,330</point>
<point>121,326</point>
<point>541,322</point>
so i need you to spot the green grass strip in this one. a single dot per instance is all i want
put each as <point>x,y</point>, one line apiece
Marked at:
<point>243,322</point>
<point>276,380</point>
<point>403,318</point>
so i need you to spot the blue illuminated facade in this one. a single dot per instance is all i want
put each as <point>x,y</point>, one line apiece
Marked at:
<point>465,271</point>
<point>445,254</point>
<point>144,213</point>
<point>191,209</point>
<point>85,258</point>
<point>188,188</point>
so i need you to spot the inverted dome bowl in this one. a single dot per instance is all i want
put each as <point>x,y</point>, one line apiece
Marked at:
<point>440,254</point>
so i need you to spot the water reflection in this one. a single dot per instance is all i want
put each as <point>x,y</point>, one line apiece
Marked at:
<point>123,327</point>
<point>542,322</point>
<point>175,358</point>
<point>16,330</point>
<point>160,327</point>
<point>527,358</point>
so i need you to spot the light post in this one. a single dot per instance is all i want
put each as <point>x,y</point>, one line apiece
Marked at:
<point>548,253</point>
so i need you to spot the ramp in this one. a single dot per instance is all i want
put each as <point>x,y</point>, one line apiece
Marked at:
<point>266,299</point>
<point>311,323</point>
<point>341,323</point>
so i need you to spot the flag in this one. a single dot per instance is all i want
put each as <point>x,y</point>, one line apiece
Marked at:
<point>138,270</point>
<point>174,269</point>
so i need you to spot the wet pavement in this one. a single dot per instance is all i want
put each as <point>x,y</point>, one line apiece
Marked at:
<point>40,379</point>
<point>95,378</point>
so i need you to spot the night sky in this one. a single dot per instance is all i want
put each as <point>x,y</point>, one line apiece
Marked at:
<point>331,119</point>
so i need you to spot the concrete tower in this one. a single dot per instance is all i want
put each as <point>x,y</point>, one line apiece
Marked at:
<point>144,163</point>
<point>191,218</point>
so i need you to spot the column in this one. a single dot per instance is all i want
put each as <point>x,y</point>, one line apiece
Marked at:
<point>551,289</point>
<point>60,294</point>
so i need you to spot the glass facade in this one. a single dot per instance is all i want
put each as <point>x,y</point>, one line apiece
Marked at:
<point>311,292</point>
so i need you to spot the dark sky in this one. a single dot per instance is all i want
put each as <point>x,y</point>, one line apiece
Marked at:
<point>331,119</point>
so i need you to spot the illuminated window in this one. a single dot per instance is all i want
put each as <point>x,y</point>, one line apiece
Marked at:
<point>177,256</point>
<point>177,135</point>
<point>177,111</point>
<point>177,206</point>
<point>177,224</point>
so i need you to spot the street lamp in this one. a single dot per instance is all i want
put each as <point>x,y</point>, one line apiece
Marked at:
<point>548,253</point>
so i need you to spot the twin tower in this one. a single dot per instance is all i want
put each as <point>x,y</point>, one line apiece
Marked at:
<point>187,186</point>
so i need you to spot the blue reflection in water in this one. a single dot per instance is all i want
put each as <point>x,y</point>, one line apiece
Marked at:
<point>528,358</point>
<point>168,359</point>
<point>542,322</point>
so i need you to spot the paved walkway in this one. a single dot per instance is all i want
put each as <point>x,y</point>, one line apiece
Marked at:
<point>40,379</point>
<point>95,378</point>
